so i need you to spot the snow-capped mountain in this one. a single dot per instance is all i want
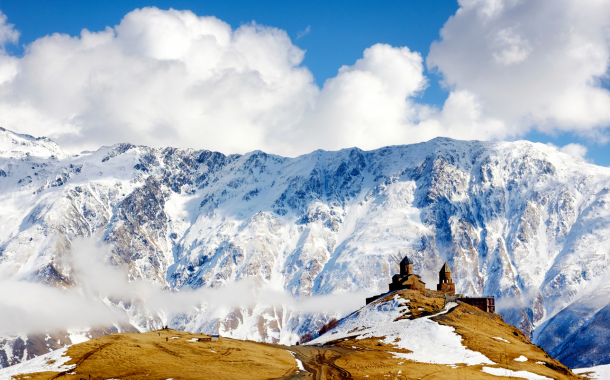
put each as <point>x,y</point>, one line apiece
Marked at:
<point>520,221</point>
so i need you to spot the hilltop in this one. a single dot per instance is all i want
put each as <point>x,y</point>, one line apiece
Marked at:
<point>159,354</point>
<point>417,336</point>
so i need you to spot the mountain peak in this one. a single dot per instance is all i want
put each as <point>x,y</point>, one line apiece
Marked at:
<point>13,144</point>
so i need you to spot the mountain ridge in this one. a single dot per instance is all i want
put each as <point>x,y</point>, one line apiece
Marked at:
<point>517,220</point>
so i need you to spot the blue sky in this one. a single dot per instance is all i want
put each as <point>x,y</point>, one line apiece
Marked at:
<point>333,34</point>
<point>338,31</point>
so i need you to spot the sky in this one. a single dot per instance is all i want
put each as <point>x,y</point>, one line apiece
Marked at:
<point>290,77</point>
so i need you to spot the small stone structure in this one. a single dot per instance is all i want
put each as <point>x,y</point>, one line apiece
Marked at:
<point>213,338</point>
<point>445,280</point>
<point>407,279</point>
<point>487,304</point>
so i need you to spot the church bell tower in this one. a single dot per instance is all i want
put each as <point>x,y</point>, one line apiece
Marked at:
<point>406,266</point>
<point>445,281</point>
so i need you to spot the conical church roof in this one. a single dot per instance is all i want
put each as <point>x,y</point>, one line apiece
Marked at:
<point>406,261</point>
<point>445,269</point>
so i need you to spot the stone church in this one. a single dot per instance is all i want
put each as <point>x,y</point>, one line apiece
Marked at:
<point>445,281</point>
<point>407,279</point>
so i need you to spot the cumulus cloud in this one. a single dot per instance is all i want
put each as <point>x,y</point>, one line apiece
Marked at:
<point>173,78</point>
<point>368,104</point>
<point>530,63</point>
<point>160,78</point>
<point>511,47</point>
<point>7,31</point>
<point>573,149</point>
<point>8,64</point>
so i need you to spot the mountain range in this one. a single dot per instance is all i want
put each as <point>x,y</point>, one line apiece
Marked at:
<point>516,220</point>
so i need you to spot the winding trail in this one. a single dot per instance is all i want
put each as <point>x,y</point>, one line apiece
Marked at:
<point>319,362</point>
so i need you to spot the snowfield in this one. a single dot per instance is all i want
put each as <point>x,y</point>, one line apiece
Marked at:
<point>516,374</point>
<point>517,220</point>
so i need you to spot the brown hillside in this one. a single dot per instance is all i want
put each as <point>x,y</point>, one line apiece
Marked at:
<point>149,356</point>
<point>478,329</point>
<point>369,359</point>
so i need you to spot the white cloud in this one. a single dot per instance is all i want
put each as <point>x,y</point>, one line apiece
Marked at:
<point>512,48</point>
<point>160,78</point>
<point>7,31</point>
<point>573,149</point>
<point>368,104</point>
<point>373,104</point>
<point>303,33</point>
<point>27,307</point>
<point>8,65</point>
<point>462,117</point>
<point>172,78</point>
<point>530,63</point>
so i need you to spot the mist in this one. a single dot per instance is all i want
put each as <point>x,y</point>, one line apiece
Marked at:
<point>28,307</point>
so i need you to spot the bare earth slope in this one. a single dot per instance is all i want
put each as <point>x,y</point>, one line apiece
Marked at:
<point>168,354</point>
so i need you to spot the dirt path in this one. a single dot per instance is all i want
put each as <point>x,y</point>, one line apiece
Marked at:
<point>319,362</point>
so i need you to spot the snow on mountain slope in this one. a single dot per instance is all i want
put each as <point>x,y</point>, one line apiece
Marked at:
<point>519,221</point>
<point>18,145</point>
<point>600,372</point>
<point>51,362</point>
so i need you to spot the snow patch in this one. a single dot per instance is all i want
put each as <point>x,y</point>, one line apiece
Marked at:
<point>77,336</point>
<point>51,362</point>
<point>510,373</point>
<point>521,359</point>
<point>600,372</point>
<point>299,363</point>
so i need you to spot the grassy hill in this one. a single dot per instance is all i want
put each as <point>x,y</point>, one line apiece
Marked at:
<point>361,348</point>
<point>169,354</point>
